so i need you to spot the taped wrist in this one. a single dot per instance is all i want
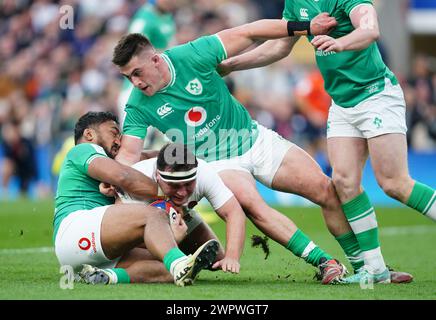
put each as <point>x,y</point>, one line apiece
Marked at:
<point>298,28</point>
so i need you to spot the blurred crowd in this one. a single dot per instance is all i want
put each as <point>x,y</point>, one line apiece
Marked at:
<point>55,65</point>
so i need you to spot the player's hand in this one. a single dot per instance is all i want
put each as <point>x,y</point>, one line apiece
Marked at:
<point>322,24</point>
<point>224,68</point>
<point>227,265</point>
<point>327,44</point>
<point>179,228</point>
<point>107,189</point>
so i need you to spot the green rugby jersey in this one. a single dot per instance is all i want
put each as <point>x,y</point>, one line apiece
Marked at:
<point>350,76</point>
<point>76,189</point>
<point>158,27</point>
<point>196,107</point>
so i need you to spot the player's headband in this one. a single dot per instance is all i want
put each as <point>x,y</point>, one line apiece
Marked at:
<point>178,176</point>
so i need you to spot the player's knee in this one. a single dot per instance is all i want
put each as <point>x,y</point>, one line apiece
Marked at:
<point>344,183</point>
<point>326,194</point>
<point>154,214</point>
<point>393,187</point>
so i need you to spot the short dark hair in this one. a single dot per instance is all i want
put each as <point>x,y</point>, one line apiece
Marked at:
<point>129,46</point>
<point>176,157</point>
<point>91,119</point>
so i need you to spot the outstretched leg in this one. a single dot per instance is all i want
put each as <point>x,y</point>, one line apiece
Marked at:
<point>277,226</point>
<point>389,162</point>
<point>300,174</point>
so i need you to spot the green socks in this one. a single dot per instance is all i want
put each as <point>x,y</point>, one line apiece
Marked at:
<point>361,216</point>
<point>423,199</point>
<point>303,247</point>
<point>350,245</point>
<point>118,275</point>
<point>173,255</point>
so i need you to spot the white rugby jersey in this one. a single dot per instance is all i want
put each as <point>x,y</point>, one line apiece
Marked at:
<point>209,184</point>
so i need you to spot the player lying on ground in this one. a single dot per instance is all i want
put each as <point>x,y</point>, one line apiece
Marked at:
<point>185,181</point>
<point>367,117</point>
<point>180,93</point>
<point>89,229</point>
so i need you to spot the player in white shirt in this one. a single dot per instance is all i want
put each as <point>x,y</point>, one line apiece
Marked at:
<point>184,181</point>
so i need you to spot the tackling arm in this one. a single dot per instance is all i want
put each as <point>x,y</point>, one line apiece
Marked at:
<point>265,54</point>
<point>130,180</point>
<point>240,38</point>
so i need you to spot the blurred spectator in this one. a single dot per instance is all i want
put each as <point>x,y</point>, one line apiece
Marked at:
<point>51,75</point>
<point>313,103</point>
<point>19,158</point>
<point>420,94</point>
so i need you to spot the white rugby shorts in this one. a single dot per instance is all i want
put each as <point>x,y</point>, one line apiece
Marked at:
<point>78,240</point>
<point>380,114</point>
<point>262,160</point>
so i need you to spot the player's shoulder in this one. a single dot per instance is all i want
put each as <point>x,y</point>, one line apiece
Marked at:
<point>145,163</point>
<point>147,166</point>
<point>86,147</point>
<point>205,172</point>
<point>136,98</point>
<point>202,165</point>
<point>197,46</point>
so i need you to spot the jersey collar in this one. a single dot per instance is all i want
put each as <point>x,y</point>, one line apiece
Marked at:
<point>172,73</point>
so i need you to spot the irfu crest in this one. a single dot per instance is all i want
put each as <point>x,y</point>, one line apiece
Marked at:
<point>194,87</point>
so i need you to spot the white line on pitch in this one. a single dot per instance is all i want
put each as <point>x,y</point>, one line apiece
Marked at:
<point>27,250</point>
<point>405,230</point>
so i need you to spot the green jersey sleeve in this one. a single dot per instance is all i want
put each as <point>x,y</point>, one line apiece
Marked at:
<point>348,5</point>
<point>288,14</point>
<point>135,123</point>
<point>82,155</point>
<point>206,52</point>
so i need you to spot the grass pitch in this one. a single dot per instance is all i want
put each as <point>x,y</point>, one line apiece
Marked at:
<point>29,269</point>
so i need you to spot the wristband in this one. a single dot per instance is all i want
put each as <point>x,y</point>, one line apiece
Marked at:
<point>298,26</point>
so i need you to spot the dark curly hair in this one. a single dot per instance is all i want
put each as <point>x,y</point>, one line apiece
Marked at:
<point>91,119</point>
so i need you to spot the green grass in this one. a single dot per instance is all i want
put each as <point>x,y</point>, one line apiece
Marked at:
<point>407,238</point>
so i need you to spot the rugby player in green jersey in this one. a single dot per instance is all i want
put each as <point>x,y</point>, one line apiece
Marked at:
<point>155,21</point>
<point>180,93</point>
<point>91,231</point>
<point>367,117</point>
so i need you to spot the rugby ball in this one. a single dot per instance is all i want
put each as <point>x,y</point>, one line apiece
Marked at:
<point>167,207</point>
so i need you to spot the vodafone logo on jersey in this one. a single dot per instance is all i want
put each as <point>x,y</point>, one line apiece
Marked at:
<point>84,244</point>
<point>195,116</point>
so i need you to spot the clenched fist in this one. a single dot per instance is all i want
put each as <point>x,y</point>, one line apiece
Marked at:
<point>322,24</point>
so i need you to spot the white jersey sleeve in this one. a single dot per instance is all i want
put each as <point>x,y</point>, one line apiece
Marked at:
<point>210,186</point>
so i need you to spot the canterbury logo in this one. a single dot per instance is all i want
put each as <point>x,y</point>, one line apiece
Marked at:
<point>164,110</point>
<point>303,12</point>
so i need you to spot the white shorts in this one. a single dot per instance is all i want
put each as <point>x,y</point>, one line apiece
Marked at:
<point>380,114</point>
<point>262,160</point>
<point>78,240</point>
